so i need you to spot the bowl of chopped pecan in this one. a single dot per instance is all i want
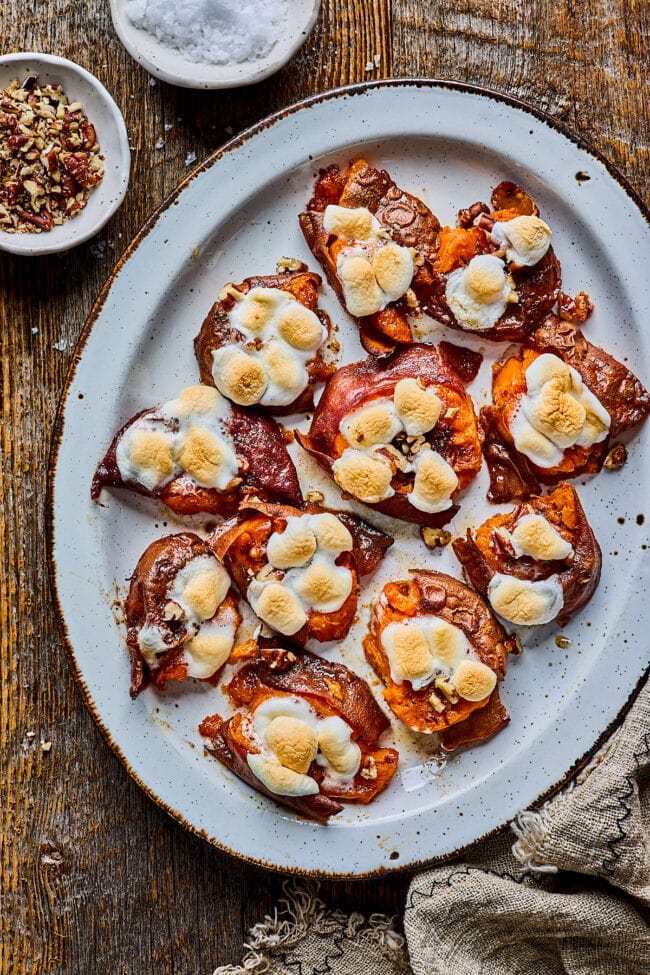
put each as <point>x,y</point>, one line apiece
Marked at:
<point>64,154</point>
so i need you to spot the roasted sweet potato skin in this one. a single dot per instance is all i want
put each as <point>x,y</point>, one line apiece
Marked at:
<point>434,593</point>
<point>331,689</point>
<point>146,600</point>
<point>409,222</point>
<point>217,331</point>
<point>241,544</point>
<point>538,286</point>
<point>618,389</point>
<point>482,554</point>
<point>265,469</point>
<point>457,437</point>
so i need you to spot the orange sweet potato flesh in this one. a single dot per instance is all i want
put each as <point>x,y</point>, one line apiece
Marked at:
<point>482,553</point>
<point>434,593</point>
<point>330,689</point>
<point>241,544</point>
<point>407,218</point>
<point>623,395</point>
<point>216,330</point>
<point>457,437</point>
<point>148,595</point>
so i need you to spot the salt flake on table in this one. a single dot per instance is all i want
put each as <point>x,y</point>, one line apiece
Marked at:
<point>159,143</point>
<point>190,158</point>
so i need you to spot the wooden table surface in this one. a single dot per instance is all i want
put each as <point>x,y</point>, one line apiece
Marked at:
<point>95,878</point>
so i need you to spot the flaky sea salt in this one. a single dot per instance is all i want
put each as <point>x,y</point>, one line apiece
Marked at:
<point>213,31</point>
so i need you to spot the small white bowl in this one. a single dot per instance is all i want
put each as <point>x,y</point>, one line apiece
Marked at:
<point>79,85</point>
<point>168,64</point>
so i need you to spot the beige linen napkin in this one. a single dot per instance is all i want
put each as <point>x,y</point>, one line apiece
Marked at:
<point>572,895</point>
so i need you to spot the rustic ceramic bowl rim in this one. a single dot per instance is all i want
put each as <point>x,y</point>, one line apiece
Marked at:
<point>51,242</point>
<point>235,142</point>
<point>169,65</point>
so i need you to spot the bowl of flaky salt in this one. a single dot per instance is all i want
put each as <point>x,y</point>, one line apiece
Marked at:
<point>213,43</point>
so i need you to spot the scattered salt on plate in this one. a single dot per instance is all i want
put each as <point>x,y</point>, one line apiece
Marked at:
<point>212,31</point>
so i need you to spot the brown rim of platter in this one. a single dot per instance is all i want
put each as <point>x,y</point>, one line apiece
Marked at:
<point>57,434</point>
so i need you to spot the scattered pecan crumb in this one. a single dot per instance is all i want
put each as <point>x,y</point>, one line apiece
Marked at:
<point>616,458</point>
<point>316,497</point>
<point>369,771</point>
<point>435,537</point>
<point>576,309</point>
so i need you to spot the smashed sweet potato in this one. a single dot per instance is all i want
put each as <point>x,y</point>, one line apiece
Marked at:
<point>264,466</point>
<point>402,216</point>
<point>537,287</point>
<point>514,476</point>
<point>429,593</point>
<point>217,330</point>
<point>486,551</point>
<point>456,435</point>
<point>329,689</point>
<point>149,603</point>
<point>240,544</point>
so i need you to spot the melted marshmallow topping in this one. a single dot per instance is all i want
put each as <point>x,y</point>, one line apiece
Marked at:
<point>372,269</point>
<point>290,736</point>
<point>557,412</point>
<point>479,294</point>
<point>524,602</point>
<point>270,366</point>
<point>524,240</point>
<point>194,597</point>
<point>365,471</point>
<point>305,555</point>
<point>535,536</point>
<point>188,438</point>
<point>427,650</point>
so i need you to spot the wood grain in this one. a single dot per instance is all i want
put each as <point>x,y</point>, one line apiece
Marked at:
<point>94,877</point>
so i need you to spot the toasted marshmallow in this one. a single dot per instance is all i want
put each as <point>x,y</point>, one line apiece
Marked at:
<point>352,223</point>
<point>207,458</point>
<point>393,268</point>
<point>435,482</point>
<point>256,309</point>
<point>294,546</point>
<point>323,585</point>
<point>523,602</point>
<point>361,293</point>
<point>200,587</point>
<point>285,705</point>
<point>474,681</point>
<point>276,605</point>
<point>293,741</point>
<point>371,425</point>
<point>338,753</point>
<point>418,408</point>
<point>478,294</point>
<point>557,412</point>
<point>285,371</point>
<point>535,536</point>
<point>145,453</point>
<point>526,239</point>
<point>280,780</point>
<point>239,376</point>
<point>300,327</point>
<point>198,399</point>
<point>279,336</point>
<point>420,649</point>
<point>409,653</point>
<point>209,649</point>
<point>331,534</point>
<point>366,477</point>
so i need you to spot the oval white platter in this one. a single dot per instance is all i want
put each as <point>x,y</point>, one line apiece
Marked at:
<point>233,218</point>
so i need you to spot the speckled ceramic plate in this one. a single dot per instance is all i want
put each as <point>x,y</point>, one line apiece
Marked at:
<point>233,218</point>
